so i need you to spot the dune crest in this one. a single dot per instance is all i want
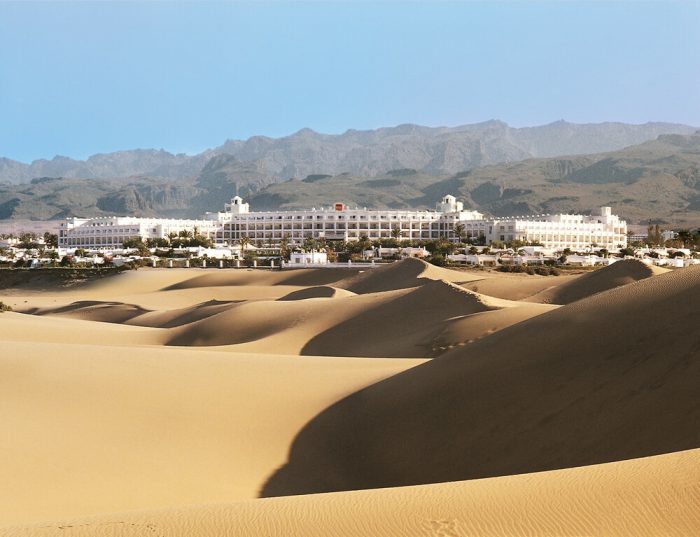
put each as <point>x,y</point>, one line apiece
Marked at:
<point>397,323</point>
<point>618,274</point>
<point>409,272</point>
<point>319,291</point>
<point>607,378</point>
<point>298,277</point>
<point>93,310</point>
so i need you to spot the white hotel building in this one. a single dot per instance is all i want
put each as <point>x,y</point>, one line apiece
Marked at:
<point>109,232</point>
<point>341,222</point>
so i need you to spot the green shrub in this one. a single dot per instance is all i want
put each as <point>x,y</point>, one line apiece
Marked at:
<point>5,307</point>
<point>542,270</point>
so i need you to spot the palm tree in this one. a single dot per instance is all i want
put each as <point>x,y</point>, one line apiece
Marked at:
<point>459,231</point>
<point>284,247</point>
<point>244,241</point>
<point>396,232</point>
<point>185,235</point>
<point>364,244</point>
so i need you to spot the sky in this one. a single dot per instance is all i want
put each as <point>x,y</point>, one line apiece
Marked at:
<point>78,78</point>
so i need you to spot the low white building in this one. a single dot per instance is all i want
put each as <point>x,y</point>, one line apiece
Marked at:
<point>474,259</point>
<point>402,252</point>
<point>308,258</point>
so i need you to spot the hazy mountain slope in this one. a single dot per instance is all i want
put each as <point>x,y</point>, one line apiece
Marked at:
<point>439,150</point>
<point>156,163</point>
<point>436,150</point>
<point>563,138</point>
<point>52,198</point>
<point>658,180</point>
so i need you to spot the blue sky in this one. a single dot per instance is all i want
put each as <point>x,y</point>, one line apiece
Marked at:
<point>82,78</point>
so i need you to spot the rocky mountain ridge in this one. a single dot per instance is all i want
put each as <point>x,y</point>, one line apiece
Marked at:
<point>657,181</point>
<point>434,150</point>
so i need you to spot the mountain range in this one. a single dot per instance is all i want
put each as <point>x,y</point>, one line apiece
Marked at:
<point>435,150</point>
<point>656,181</point>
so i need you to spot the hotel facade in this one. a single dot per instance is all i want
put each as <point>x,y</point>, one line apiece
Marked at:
<point>344,223</point>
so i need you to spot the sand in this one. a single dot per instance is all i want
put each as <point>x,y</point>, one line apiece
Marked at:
<point>610,377</point>
<point>423,400</point>
<point>615,275</point>
<point>644,497</point>
<point>101,428</point>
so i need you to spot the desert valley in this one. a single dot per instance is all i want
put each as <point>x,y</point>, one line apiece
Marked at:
<point>406,399</point>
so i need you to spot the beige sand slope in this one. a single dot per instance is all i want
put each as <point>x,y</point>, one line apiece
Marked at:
<point>466,329</point>
<point>298,277</point>
<point>423,320</point>
<point>93,310</point>
<point>156,289</point>
<point>615,275</point>
<point>511,286</point>
<point>131,314</point>
<point>643,497</point>
<point>407,273</point>
<point>318,291</point>
<point>607,378</point>
<point>93,429</point>
<point>399,323</point>
<point>409,323</point>
<point>49,329</point>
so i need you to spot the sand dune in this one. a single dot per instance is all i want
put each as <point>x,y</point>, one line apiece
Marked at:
<point>399,323</point>
<point>92,310</point>
<point>182,316</point>
<point>160,389</point>
<point>132,314</point>
<point>607,378</point>
<point>422,320</point>
<point>407,273</point>
<point>469,328</point>
<point>405,324</point>
<point>298,277</point>
<point>105,428</point>
<point>49,329</point>
<point>643,497</point>
<point>319,291</point>
<point>156,289</point>
<point>511,286</point>
<point>615,275</point>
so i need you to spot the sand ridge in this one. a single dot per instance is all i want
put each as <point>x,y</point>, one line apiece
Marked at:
<point>318,291</point>
<point>616,377</point>
<point>417,319</point>
<point>615,275</point>
<point>410,272</point>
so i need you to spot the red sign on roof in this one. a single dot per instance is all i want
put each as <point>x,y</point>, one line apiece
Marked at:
<point>338,206</point>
